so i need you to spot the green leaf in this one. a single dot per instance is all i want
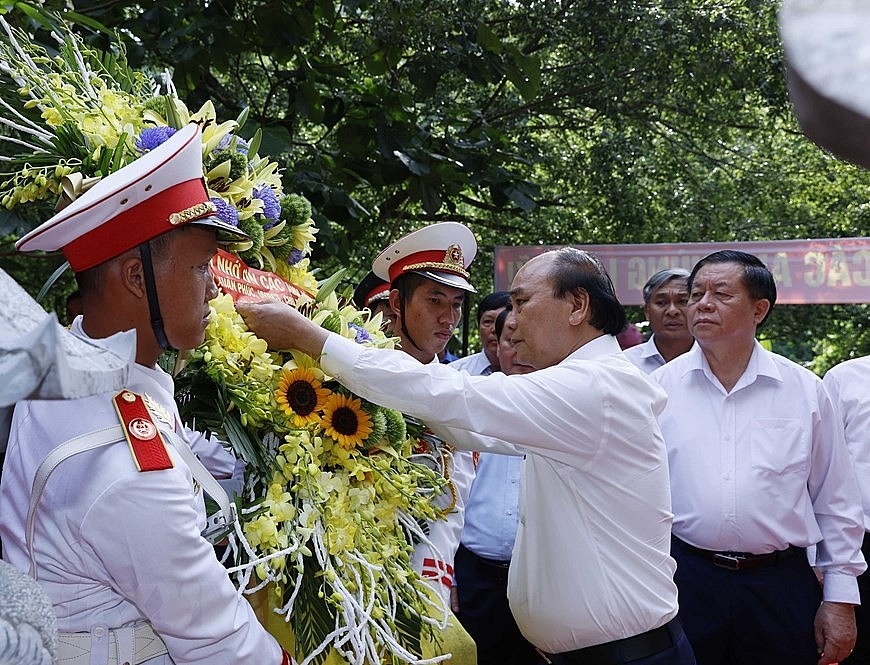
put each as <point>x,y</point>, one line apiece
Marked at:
<point>524,72</point>
<point>82,19</point>
<point>56,275</point>
<point>243,117</point>
<point>119,152</point>
<point>248,449</point>
<point>254,145</point>
<point>487,38</point>
<point>328,285</point>
<point>42,17</point>
<point>172,117</point>
<point>410,627</point>
<point>415,167</point>
<point>312,619</point>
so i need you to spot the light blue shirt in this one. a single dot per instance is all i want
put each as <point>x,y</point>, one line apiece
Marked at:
<point>492,512</point>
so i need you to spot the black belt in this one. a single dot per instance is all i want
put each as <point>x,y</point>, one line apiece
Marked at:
<point>492,563</point>
<point>626,650</point>
<point>741,560</point>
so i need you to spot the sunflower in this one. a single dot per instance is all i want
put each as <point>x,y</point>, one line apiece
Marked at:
<point>300,395</point>
<point>345,421</point>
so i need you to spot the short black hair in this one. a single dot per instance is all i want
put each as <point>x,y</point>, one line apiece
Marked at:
<point>757,279</point>
<point>408,282</point>
<point>578,270</point>
<point>495,300</point>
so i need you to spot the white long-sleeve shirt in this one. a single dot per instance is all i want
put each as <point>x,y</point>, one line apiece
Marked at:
<point>645,356</point>
<point>591,562</point>
<point>849,387</point>
<point>763,466</point>
<point>115,546</point>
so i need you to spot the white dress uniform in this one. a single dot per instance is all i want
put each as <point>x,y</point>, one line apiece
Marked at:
<point>435,561</point>
<point>115,546</point>
<point>441,253</point>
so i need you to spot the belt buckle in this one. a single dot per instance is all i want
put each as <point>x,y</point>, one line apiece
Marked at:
<point>728,561</point>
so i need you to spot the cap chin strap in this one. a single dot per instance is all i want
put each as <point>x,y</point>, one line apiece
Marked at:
<point>153,302</point>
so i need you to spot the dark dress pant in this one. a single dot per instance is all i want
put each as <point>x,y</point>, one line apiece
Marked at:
<point>738,617</point>
<point>484,612</point>
<point>861,653</point>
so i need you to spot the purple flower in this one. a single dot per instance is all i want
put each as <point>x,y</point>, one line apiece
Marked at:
<point>152,137</point>
<point>241,144</point>
<point>226,211</point>
<point>294,257</point>
<point>362,335</point>
<point>271,204</point>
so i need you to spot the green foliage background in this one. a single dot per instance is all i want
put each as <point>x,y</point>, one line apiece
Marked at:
<point>543,121</point>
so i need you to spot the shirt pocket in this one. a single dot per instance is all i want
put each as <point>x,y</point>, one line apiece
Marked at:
<point>778,446</point>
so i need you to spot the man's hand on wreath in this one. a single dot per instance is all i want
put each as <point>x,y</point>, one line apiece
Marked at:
<point>283,327</point>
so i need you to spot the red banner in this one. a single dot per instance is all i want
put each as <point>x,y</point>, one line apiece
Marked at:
<point>244,283</point>
<point>831,270</point>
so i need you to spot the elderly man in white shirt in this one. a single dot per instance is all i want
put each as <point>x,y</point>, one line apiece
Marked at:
<point>759,472</point>
<point>591,577</point>
<point>665,296</point>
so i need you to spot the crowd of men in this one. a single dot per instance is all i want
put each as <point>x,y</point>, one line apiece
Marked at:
<point>693,499</point>
<point>767,476</point>
<point>696,498</point>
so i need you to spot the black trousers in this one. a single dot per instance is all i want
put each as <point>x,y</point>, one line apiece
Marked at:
<point>764,615</point>
<point>861,654</point>
<point>484,612</point>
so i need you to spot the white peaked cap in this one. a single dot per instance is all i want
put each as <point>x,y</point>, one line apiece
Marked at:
<point>161,191</point>
<point>441,252</point>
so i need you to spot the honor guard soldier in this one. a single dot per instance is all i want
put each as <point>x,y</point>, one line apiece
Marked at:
<point>428,275</point>
<point>113,526</point>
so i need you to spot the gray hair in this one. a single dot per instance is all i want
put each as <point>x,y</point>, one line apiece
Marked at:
<point>661,278</point>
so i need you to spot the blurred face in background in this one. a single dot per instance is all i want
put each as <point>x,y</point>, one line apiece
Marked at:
<point>488,338</point>
<point>507,354</point>
<point>666,312</point>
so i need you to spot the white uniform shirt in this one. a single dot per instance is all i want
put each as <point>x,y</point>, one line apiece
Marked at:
<point>849,387</point>
<point>591,562</point>
<point>762,467</point>
<point>115,546</point>
<point>645,356</point>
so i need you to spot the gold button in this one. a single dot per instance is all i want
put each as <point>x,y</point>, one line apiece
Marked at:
<point>128,396</point>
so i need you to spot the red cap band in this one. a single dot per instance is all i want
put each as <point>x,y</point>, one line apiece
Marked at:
<point>428,260</point>
<point>378,293</point>
<point>132,227</point>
